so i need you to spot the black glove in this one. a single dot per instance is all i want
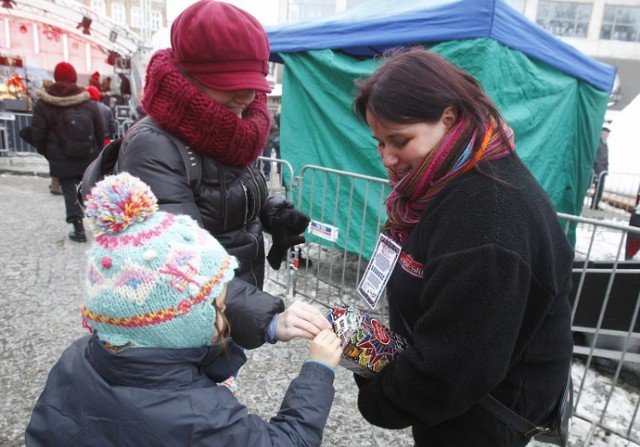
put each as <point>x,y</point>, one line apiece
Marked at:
<point>289,225</point>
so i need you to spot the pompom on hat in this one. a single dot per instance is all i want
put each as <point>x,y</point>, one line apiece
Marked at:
<point>65,72</point>
<point>221,46</point>
<point>151,276</point>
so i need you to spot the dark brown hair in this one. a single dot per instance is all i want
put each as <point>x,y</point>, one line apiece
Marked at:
<point>224,332</point>
<point>416,85</point>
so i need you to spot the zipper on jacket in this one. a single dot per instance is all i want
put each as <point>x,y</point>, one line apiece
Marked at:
<point>256,181</point>
<point>223,196</point>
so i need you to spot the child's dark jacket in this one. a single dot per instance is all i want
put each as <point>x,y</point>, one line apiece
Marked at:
<point>170,397</point>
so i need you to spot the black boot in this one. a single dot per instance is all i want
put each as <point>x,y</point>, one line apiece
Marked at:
<point>77,234</point>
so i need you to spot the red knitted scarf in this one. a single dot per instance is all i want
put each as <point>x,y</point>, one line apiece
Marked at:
<point>210,128</point>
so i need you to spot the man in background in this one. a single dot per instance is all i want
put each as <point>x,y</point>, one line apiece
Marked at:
<point>600,167</point>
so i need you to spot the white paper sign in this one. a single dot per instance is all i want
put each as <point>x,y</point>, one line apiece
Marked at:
<point>323,230</point>
<point>379,270</point>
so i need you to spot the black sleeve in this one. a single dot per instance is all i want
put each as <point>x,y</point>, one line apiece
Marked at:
<point>40,127</point>
<point>249,311</point>
<point>98,126</point>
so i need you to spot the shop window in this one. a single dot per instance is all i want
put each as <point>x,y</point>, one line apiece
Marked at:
<point>620,23</point>
<point>136,17</point>
<point>99,7</point>
<point>156,20</point>
<point>118,14</point>
<point>569,19</point>
<point>303,10</point>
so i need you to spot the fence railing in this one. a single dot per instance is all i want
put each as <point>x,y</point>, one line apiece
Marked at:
<point>612,195</point>
<point>10,125</point>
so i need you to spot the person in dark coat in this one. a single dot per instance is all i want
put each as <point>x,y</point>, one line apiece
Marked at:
<point>481,283</point>
<point>125,85</point>
<point>48,116</point>
<point>600,167</point>
<point>94,80</point>
<point>108,119</point>
<point>156,370</point>
<point>218,62</point>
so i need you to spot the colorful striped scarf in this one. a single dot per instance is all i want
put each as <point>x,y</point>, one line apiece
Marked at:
<point>411,194</point>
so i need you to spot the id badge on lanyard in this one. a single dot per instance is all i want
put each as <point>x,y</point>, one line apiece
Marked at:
<point>379,270</point>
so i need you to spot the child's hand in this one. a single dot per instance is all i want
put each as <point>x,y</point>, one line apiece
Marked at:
<point>325,348</point>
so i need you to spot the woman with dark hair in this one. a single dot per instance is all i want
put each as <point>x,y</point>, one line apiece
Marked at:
<point>481,283</point>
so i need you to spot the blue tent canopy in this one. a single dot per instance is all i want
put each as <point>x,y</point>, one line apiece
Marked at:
<point>373,26</point>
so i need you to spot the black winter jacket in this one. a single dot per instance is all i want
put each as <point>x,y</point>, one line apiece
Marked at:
<point>249,311</point>
<point>481,289</point>
<point>231,203</point>
<point>47,115</point>
<point>168,397</point>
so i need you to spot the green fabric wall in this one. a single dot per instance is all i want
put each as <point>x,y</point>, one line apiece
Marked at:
<point>556,119</point>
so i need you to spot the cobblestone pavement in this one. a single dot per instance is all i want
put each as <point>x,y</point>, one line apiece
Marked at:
<point>41,273</point>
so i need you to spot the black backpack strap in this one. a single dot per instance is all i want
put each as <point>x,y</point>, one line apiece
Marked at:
<point>191,158</point>
<point>104,164</point>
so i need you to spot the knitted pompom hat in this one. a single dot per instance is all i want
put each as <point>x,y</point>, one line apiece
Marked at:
<point>151,276</point>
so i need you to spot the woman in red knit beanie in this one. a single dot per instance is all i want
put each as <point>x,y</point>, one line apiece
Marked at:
<point>209,91</point>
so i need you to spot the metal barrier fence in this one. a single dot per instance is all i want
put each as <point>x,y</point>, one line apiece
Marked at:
<point>612,195</point>
<point>123,126</point>
<point>326,273</point>
<point>605,298</point>
<point>605,304</point>
<point>10,125</point>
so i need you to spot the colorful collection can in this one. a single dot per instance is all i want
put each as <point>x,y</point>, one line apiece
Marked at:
<point>367,345</point>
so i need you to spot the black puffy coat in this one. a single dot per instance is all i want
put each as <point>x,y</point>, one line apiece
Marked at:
<point>231,203</point>
<point>47,115</point>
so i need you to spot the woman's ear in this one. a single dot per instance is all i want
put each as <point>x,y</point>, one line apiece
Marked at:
<point>449,117</point>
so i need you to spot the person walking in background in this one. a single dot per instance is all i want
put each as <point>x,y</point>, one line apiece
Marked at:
<point>94,80</point>
<point>67,129</point>
<point>600,167</point>
<point>108,119</point>
<point>154,371</point>
<point>481,284</point>
<point>105,91</point>
<point>209,90</point>
<point>125,85</point>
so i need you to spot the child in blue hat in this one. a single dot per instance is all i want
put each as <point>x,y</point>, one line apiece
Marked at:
<point>152,371</point>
